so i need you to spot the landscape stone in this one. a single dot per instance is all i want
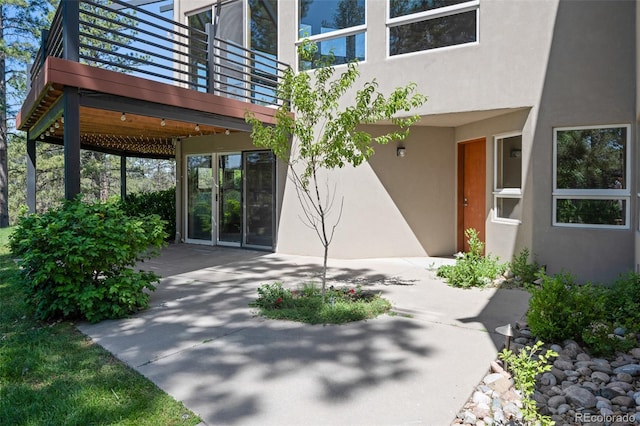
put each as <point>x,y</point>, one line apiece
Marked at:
<point>623,401</point>
<point>580,396</point>
<point>600,377</point>
<point>556,401</point>
<point>632,369</point>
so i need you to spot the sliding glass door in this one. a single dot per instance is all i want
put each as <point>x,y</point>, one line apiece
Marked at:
<point>199,199</point>
<point>231,199</point>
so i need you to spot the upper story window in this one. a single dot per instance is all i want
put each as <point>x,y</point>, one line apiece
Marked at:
<point>591,176</point>
<point>416,25</point>
<point>336,26</point>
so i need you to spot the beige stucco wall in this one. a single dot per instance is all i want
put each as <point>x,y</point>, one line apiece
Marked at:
<point>551,64</point>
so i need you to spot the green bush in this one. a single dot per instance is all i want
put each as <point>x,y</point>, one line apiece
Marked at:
<point>623,302</point>
<point>522,269</point>
<point>525,367</point>
<point>77,261</point>
<point>161,203</point>
<point>472,269</point>
<point>561,309</point>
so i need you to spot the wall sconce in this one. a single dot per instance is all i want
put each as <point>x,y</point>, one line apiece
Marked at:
<point>516,153</point>
<point>401,151</point>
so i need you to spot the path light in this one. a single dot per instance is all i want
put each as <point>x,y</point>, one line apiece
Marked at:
<point>507,331</point>
<point>401,151</point>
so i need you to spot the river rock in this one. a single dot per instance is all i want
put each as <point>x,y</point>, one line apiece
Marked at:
<point>581,397</point>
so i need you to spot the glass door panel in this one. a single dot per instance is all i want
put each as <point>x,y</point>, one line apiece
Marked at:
<point>199,197</point>
<point>230,199</point>
<point>259,198</point>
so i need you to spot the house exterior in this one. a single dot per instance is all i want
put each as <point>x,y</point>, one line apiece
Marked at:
<point>528,136</point>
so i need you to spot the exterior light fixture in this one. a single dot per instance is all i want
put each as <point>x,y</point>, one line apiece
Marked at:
<point>507,331</point>
<point>197,127</point>
<point>401,151</point>
<point>227,132</point>
<point>123,117</point>
<point>163,123</point>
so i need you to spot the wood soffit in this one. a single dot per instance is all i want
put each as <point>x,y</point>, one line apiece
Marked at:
<point>138,134</point>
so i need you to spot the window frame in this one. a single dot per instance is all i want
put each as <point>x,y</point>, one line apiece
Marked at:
<point>623,194</point>
<point>499,192</point>
<point>331,35</point>
<point>471,5</point>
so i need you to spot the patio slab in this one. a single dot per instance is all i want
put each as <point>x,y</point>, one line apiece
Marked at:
<point>203,344</point>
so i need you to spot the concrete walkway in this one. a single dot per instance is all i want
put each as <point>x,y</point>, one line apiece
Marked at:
<point>203,344</point>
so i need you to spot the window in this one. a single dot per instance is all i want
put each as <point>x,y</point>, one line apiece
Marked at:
<point>337,26</point>
<point>591,175</point>
<point>507,191</point>
<point>424,25</point>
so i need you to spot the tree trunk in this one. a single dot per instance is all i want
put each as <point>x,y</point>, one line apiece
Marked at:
<point>4,181</point>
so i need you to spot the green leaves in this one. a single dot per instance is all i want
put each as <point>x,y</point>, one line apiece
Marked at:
<point>77,260</point>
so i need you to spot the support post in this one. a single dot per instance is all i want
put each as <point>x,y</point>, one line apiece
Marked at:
<point>71,30</point>
<point>123,178</point>
<point>31,174</point>
<point>71,142</point>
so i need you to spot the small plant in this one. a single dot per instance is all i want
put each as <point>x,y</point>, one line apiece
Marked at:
<point>522,269</point>
<point>561,309</point>
<point>343,304</point>
<point>77,261</point>
<point>525,367</point>
<point>472,269</point>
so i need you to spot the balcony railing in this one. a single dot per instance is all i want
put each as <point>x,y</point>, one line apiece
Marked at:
<point>118,36</point>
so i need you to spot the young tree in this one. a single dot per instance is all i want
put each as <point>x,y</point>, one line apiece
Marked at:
<point>327,135</point>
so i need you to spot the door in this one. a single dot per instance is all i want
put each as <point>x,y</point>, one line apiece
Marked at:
<point>200,199</point>
<point>471,190</point>
<point>259,168</point>
<point>230,199</point>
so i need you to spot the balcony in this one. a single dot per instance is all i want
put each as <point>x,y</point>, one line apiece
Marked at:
<point>119,79</point>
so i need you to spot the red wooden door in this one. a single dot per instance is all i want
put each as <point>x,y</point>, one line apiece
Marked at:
<point>471,189</point>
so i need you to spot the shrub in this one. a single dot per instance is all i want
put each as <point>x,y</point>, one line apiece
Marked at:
<point>161,203</point>
<point>525,367</point>
<point>561,309</point>
<point>472,269</point>
<point>522,269</point>
<point>77,260</point>
<point>623,300</point>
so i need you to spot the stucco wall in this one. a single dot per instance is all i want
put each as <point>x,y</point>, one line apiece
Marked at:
<point>589,81</point>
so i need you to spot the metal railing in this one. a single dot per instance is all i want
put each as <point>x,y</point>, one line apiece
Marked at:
<point>134,41</point>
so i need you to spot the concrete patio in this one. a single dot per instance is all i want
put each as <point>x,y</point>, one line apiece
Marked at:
<point>204,345</point>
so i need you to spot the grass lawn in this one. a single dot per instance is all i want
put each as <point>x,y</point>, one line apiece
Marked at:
<point>51,374</point>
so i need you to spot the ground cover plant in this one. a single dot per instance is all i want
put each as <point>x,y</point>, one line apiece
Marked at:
<point>472,268</point>
<point>343,304</point>
<point>50,374</point>
<point>78,261</point>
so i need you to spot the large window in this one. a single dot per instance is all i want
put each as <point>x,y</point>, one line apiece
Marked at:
<point>417,25</point>
<point>337,26</point>
<point>591,176</point>
<point>507,190</point>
